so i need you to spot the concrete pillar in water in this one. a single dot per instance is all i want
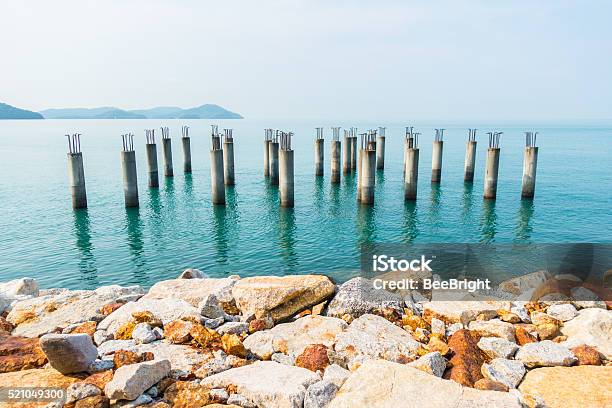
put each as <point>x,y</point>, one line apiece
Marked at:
<point>151,149</point>
<point>359,172</point>
<point>354,152</point>
<point>186,150</point>
<point>286,171</point>
<point>319,152</point>
<point>128,169</point>
<point>492,166</point>
<point>470,161</point>
<point>76,173</point>
<point>335,156</point>
<point>216,170</point>
<point>380,148</point>
<point>167,148</point>
<point>411,170</point>
<point>436,156</point>
<point>346,153</point>
<point>368,170</point>
<point>530,165</point>
<point>228,158</point>
<point>273,153</point>
<point>267,141</point>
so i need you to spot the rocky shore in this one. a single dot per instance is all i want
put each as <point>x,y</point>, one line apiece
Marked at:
<point>303,341</point>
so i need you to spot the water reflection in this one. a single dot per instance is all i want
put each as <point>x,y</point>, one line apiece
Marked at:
<point>524,229</point>
<point>225,226</point>
<point>468,203</point>
<point>488,221</point>
<point>365,224</point>
<point>87,262</point>
<point>287,230</point>
<point>188,187</point>
<point>319,192</point>
<point>134,227</point>
<point>435,203</point>
<point>410,227</point>
<point>334,200</point>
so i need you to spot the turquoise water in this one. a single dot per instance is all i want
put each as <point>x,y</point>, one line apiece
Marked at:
<point>176,226</point>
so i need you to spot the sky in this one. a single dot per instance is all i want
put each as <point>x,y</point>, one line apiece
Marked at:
<point>345,59</point>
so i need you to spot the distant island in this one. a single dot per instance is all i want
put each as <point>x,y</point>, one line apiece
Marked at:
<point>11,112</point>
<point>207,111</point>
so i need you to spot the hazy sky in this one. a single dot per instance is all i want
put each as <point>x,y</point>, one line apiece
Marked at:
<point>353,59</point>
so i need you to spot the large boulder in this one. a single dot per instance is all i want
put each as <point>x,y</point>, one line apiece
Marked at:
<point>20,353</point>
<point>44,314</point>
<point>280,296</point>
<point>266,383</point>
<point>467,358</point>
<point>69,353</point>
<point>383,384</point>
<point>373,337</point>
<point>462,311</point>
<point>19,287</point>
<point>561,387</point>
<point>132,380</point>
<point>592,327</point>
<point>193,291</point>
<point>292,338</point>
<point>524,283</point>
<point>165,309</point>
<point>358,296</point>
<point>493,328</point>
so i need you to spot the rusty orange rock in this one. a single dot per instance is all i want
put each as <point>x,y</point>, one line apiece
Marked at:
<point>206,338</point>
<point>126,357</point>
<point>20,353</point>
<point>178,331</point>
<point>125,331</point>
<point>5,326</point>
<point>233,345</point>
<point>110,308</point>
<point>96,401</point>
<point>314,358</point>
<point>185,394</point>
<point>467,358</point>
<point>587,355</point>
<point>88,327</point>
<point>486,384</point>
<point>523,336</point>
<point>100,379</point>
<point>147,317</point>
<point>436,344</point>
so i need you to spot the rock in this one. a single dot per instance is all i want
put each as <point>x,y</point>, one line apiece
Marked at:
<point>435,344</point>
<point>36,377</point>
<point>218,363</point>
<point>509,317</point>
<point>496,347</point>
<point>233,328</point>
<point>141,401</point>
<point>98,366</point>
<point>373,337</point>
<point>214,323</point>
<point>467,358</point>
<point>266,383</point>
<point>167,310</point>
<point>561,387</point>
<point>562,312</point>
<point>493,328</point>
<point>508,372</point>
<point>486,384</point>
<point>20,353</point>
<point>100,379</point>
<point>193,291</point>
<point>80,390</point>
<point>69,353</point>
<point>179,331</point>
<point>292,338</point>
<point>521,312</point>
<point>545,354</point>
<point>143,333</point>
<point>192,274</point>
<point>43,314</point>
<point>232,345</point>
<point>265,323</point>
<point>96,401</point>
<point>523,283</point>
<point>19,287</point>
<point>125,357</point>
<point>461,312</point>
<point>210,307</point>
<point>358,296</point>
<point>547,326</point>
<point>182,358</point>
<point>101,336</point>
<point>383,384</point>
<point>438,327</point>
<point>5,325</point>
<point>110,307</point>
<point>336,374</point>
<point>185,394</point>
<point>319,394</point>
<point>237,400</point>
<point>219,395</point>
<point>585,298</point>
<point>283,359</point>
<point>523,336</point>
<point>132,380</point>
<point>88,328</point>
<point>592,327</point>
<point>586,355</point>
<point>431,363</point>
<point>453,328</point>
<point>280,296</point>
<point>206,338</point>
<point>314,358</point>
